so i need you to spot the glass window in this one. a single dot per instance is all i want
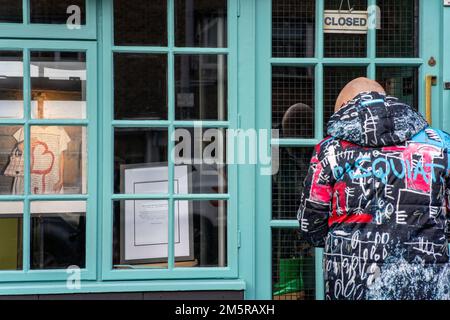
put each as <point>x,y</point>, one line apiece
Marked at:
<point>143,78</point>
<point>11,160</point>
<point>57,11</point>
<point>11,11</point>
<point>11,84</point>
<point>140,22</point>
<point>138,164</point>
<point>140,234</point>
<point>293,101</point>
<point>293,28</point>
<point>399,32</point>
<point>201,87</point>
<point>203,225</point>
<point>334,79</point>
<point>58,160</point>
<point>401,82</point>
<point>287,184</point>
<point>11,214</point>
<point>201,23</point>
<point>200,160</point>
<point>293,267</point>
<point>339,45</point>
<point>140,86</point>
<point>58,234</point>
<point>58,85</point>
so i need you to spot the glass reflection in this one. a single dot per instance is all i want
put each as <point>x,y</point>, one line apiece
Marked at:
<point>58,234</point>
<point>58,160</point>
<point>208,234</point>
<point>140,86</point>
<point>140,166</point>
<point>201,87</point>
<point>200,160</point>
<point>140,234</point>
<point>201,23</point>
<point>11,235</point>
<point>11,160</point>
<point>58,85</point>
<point>11,11</point>
<point>57,11</point>
<point>11,84</point>
<point>140,22</point>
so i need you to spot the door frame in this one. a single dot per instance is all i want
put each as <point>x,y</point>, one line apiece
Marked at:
<point>430,33</point>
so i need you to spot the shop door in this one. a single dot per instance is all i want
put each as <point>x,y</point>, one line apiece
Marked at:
<point>300,70</point>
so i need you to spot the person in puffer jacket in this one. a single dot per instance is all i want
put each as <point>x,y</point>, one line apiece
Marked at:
<point>375,198</point>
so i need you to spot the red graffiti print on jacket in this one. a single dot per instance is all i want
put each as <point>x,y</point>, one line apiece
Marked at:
<point>339,213</point>
<point>46,161</point>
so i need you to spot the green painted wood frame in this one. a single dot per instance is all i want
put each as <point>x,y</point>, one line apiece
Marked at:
<point>27,46</point>
<point>36,30</point>
<point>431,33</point>
<point>108,48</point>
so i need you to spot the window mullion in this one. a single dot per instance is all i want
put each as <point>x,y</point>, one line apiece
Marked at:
<point>25,11</point>
<point>26,212</point>
<point>171,117</point>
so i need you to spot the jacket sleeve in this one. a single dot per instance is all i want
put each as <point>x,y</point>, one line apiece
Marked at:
<point>316,200</point>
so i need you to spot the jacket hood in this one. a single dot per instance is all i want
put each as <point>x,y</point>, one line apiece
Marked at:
<point>373,119</point>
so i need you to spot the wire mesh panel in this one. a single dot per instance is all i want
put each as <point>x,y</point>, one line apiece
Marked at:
<point>401,82</point>
<point>287,184</point>
<point>334,79</point>
<point>337,45</point>
<point>399,33</point>
<point>293,101</point>
<point>293,267</point>
<point>293,26</point>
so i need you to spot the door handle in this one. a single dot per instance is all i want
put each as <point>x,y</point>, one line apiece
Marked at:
<point>430,81</point>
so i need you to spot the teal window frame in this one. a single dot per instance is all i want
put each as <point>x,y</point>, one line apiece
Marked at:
<point>51,31</point>
<point>430,17</point>
<point>89,272</point>
<point>172,272</point>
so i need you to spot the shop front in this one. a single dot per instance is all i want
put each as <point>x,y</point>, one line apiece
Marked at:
<point>110,112</point>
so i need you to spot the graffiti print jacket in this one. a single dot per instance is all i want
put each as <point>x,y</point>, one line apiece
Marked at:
<point>375,198</point>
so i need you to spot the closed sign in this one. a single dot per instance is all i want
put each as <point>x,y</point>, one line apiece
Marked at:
<point>335,21</point>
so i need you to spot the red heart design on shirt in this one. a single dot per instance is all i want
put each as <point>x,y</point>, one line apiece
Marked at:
<point>46,158</point>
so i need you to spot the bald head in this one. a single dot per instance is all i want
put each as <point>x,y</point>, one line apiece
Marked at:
<point>355,87</point>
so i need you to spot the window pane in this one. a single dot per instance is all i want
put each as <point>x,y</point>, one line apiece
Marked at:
<point>58,234</point>
<point>201,23</point>
<point>11,11</point>
<point>11,84</point>
<point>58,85</point>
<point>141,233</point>
<point>58,159</point>
<point>11,160</point>
<point>11,214</point>
<point>334,79</point>
<point>201,87</point>
<point>338,45</point>
<point>287,184</point>
<point>401,82</point>
<point>140,86</point>
<point>201,233</point>
<point>140,22</point>
<point>293,28</point>
<point>293,267</point>
<point>293,101</point>
<point>399,33</point>
<point>200,161</point>
<point>140,160</point>
<point>57,11</point>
